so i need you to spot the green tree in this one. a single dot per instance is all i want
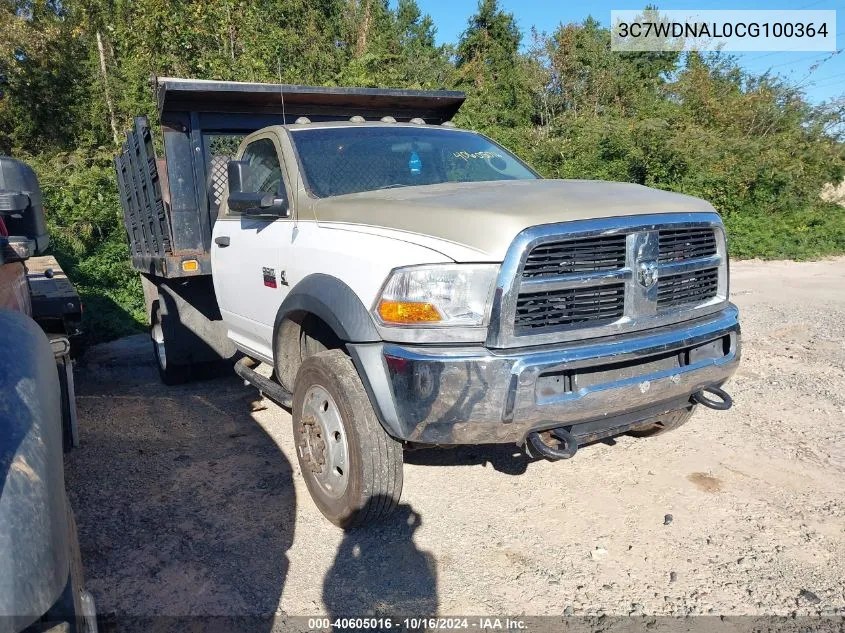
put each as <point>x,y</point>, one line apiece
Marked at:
<point>394,48</point>
<point>490,68</point>
<point>46,77</point>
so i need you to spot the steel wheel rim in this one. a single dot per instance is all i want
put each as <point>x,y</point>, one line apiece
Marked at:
<point>158,341</point>
<point>323,447</point>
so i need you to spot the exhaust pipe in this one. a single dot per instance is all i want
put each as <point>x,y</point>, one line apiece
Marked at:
<point>567,445</point>
<point>724,402</point>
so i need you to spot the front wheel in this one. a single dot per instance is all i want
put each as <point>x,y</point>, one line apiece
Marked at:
<point>352,467</point>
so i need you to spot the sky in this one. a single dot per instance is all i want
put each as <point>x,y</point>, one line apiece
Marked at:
<point>823,83</point>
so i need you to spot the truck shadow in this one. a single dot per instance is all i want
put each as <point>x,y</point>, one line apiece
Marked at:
<point>504,458</point>
<point>379,572</point>
<point>202,508</point>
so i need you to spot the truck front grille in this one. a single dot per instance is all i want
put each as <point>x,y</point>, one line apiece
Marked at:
<point>567,307</point>
<point>680,244</point>
<point>569,287</point>
<point>576,256</point>
<point>696,286</point>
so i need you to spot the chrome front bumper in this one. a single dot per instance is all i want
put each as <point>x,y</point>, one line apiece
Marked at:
<point>475,395</point>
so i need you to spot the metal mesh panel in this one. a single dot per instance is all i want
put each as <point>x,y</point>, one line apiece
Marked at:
<point>219,150</point>
<point>219,178</point>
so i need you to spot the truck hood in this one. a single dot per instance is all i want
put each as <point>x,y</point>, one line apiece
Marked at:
<point>486,216</point>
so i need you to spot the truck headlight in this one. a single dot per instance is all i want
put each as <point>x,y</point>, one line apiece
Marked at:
<point>438,295</point>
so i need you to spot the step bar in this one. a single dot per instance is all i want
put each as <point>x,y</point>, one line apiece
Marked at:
<point>245,368</point>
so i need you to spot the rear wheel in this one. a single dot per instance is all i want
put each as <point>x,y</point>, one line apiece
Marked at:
<point>352,467</point>
<point>664,423</point>
<point>170,373</point>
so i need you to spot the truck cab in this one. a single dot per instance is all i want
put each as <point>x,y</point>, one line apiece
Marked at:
<point>406,282</point>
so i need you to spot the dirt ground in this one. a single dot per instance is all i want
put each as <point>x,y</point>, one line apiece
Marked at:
<point>189,502</point>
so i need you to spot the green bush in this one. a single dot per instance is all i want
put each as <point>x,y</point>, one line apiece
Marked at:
<point>88,238</point>
<point>803,233</point>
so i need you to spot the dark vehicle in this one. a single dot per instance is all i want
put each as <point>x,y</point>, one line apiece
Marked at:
<point>41,584</point>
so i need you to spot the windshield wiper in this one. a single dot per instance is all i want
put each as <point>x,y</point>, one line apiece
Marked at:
<point>395,185</point>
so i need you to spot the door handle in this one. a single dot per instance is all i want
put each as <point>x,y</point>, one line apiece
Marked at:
<point>222,241</point>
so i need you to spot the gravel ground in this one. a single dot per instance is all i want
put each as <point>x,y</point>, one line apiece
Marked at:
<point>190,502</point>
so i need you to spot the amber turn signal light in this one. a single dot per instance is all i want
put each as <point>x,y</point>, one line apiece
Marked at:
<point>407,312</point>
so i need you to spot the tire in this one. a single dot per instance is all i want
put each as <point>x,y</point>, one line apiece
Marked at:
<point>352,467</point>
<point>170,373</point>
<point>663,424</point>
<point>296,341</point>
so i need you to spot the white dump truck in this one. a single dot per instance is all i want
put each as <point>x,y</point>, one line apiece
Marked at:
<point>411,283</point>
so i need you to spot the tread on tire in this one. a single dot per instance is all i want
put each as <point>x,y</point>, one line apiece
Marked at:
<point>374,458</point>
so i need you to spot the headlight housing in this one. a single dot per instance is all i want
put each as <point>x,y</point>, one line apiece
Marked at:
<point>437,295</point>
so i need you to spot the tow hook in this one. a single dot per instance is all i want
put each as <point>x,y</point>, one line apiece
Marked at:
<point>724,403</point>
<point>566,447</point>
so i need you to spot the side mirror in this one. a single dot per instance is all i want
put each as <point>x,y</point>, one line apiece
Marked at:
<point>240,176</point>
<point>247,202</point>
<point>277,205</point>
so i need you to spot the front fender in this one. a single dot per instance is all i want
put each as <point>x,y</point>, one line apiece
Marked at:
<point>34,545</point>
<point>334,302</point>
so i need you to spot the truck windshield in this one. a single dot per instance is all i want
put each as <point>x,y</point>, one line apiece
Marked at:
<point>343,160</point>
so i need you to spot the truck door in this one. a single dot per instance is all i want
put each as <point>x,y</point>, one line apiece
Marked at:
<point>247,255</point>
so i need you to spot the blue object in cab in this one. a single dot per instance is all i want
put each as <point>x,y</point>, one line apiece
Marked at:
<point>415,164</point>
